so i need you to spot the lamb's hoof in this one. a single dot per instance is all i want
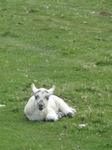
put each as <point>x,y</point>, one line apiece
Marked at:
<point>60,115</point>
<point>70,115</point>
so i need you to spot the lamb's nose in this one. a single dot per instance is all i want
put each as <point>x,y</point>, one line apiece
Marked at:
<point>40,105</point>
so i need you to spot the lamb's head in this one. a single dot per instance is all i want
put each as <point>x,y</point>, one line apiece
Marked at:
<point>42,96</point>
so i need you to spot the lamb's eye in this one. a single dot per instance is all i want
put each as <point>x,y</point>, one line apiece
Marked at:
<point>36,97</point>
<point>47,97</point>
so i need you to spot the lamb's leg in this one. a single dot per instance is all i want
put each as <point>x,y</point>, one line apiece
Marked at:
<point>64,108</point>
<point>52,116</point>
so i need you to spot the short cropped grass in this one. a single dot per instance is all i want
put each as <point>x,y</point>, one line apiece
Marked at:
<point>65,43</point>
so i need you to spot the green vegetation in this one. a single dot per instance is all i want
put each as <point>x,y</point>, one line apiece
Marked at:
<point>66,43</point>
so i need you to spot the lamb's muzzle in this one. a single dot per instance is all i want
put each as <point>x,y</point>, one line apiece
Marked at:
<point>40,105</point>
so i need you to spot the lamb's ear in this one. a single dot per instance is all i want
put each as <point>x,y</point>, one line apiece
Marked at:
<point>33,88</point>
<point>51,90</point>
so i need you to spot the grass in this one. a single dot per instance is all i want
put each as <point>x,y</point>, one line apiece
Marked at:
<point>66,43</point>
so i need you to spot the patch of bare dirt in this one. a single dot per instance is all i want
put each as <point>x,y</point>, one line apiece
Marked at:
<point>103,13</point>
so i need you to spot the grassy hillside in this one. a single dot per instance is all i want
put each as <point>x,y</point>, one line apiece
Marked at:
<point>66,43</point>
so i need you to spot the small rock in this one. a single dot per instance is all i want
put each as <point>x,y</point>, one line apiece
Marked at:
<point>1,105</point>
<point>82,126</point>
<point>84,22</point>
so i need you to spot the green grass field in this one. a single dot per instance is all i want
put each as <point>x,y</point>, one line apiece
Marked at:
<point>65,43</point>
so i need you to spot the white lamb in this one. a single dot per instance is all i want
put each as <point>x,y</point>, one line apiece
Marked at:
<point>46,106</point>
